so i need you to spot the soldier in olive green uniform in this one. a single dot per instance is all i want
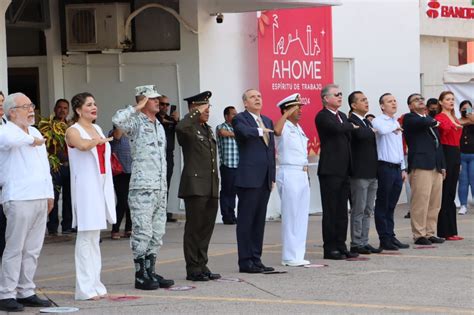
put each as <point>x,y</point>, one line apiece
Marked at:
<point>199,185</point>
<point>147,195</point>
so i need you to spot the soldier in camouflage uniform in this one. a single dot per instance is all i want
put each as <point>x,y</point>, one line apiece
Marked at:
<point>147,194</point>
<point>199,186</point>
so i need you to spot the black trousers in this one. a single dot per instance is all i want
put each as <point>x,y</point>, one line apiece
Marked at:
<point>252,211</point>
<point>61,182</point>
<point>200,219</point>
<point>3,228</point>
<point>121,185</point>
<point>390,183</point>
<point>334,197</point>
<point>447,225</point>
<point>169,168</point>
<point>169,174</point>
<point>228,192</point>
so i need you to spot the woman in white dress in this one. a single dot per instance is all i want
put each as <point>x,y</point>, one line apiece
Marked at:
<point>92,194</point>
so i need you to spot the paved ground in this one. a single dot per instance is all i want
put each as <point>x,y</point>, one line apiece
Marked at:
<point>420,281</point>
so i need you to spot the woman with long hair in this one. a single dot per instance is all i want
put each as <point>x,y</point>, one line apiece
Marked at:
<point>466,178</point>
<point>92,193</point>
<point>450,130</point>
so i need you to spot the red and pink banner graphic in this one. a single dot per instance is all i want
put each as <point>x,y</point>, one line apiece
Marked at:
<point>295,56</point>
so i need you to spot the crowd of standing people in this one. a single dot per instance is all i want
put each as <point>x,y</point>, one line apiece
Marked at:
<point>126,174</point>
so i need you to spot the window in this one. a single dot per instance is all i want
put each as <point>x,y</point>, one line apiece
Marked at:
<point>154,28</point>
<point>461,52</point>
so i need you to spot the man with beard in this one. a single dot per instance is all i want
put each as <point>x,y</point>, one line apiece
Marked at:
<point>27,197</point>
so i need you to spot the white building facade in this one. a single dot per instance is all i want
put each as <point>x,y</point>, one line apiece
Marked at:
<point>378,46</point>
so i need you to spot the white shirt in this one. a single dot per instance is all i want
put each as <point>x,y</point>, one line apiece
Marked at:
<point>335,114</point>
<point>389,144</point>
<point>260,130</point>
<point>360,117</point>
<point>292,145</point>
<point>25,172</point>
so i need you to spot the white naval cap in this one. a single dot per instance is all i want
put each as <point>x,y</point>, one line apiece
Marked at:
<point>291,100</point>
<point>149,91</point>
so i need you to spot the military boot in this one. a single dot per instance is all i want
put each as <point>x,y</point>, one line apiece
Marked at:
<point>150,269</point>
<point>142,279</point>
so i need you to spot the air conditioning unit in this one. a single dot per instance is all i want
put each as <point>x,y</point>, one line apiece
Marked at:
<point>96,26</point>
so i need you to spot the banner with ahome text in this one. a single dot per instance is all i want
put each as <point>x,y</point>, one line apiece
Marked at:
<point>295,56</point>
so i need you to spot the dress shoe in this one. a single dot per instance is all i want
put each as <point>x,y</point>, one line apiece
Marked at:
<point>388,245</point>
<point>348,254</point>
<point>197,276</point>
<point>436,240</point>
<point>422,241</point>
<point>372,249</point>
<point>69,231</point>
<point>265,268</point>
<point>360,250</point>
<point>212,276</point>
<point>115,235</point>
<point>253,269</point>
<point>334,255</point>
<point>295,263</point>
<point>229,221</point>
<point>34,301</point>
<point>10,305</point>
<point>399,244</point>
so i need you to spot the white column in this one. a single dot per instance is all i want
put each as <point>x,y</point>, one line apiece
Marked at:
<point>3,47</point>
<point>54,56</point>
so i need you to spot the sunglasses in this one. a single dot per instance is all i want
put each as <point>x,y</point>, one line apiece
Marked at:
<point>164,104</point>
<point>337,94</point>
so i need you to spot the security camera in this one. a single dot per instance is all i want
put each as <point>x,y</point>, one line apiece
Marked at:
<point>219,18</point>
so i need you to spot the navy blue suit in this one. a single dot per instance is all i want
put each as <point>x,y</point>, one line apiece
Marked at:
<point>255,174</point>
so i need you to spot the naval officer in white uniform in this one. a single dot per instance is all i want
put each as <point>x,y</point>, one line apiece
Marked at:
<point>292,181</point>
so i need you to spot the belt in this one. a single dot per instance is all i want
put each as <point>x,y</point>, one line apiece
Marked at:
<point>303,168</point>
<point>391,165</point>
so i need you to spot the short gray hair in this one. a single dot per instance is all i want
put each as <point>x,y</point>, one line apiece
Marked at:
<point>325,91</point>
<point>10,102</point>
<point>244,96</point>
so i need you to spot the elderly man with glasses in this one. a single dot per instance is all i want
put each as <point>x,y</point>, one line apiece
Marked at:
<point>427,168</point>
<point>27,197</point>
<point>333,172</point>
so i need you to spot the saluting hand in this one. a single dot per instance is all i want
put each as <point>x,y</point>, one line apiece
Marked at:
<point>141,103</point>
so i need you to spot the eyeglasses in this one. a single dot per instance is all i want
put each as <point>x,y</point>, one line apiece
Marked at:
<point>26,106</point>
<point>164,104</point>
<point>337,94</point>
<point>417,99</point>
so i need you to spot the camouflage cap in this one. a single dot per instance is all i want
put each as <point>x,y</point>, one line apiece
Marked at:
<point>149,91</point>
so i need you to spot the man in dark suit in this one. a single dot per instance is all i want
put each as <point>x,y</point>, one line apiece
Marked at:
<point>363,175</point>
<point>333,172</point>
<point>427,168</point>
<point>254,180</point>
<point>199,186</point>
